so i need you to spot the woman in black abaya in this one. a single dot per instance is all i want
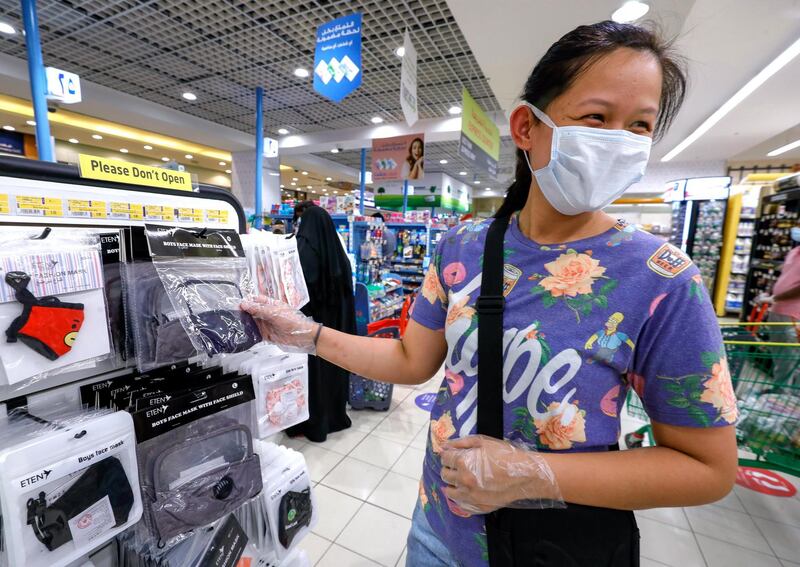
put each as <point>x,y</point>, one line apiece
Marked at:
<point>330,288</point>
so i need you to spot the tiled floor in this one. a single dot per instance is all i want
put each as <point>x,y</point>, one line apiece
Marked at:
<point>366,487</point>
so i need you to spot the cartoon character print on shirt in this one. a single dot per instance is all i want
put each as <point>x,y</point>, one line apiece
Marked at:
<point>714,387</point>
<point>609,340</point>
<point>576,279</point>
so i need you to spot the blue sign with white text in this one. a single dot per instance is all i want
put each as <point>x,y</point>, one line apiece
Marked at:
<point>337,57</point>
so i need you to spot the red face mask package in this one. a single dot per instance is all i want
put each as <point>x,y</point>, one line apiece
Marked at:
<point>53,311</point>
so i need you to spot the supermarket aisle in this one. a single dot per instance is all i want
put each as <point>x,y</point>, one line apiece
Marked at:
<point>367,484</point>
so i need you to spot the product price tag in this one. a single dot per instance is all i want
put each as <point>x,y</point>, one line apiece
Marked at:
<point>87,209</point>
<point>217,216</point>
<point>126,211</point>
<point>92,523</point>
<point>5,208</point>
<point>190,215</point>
<point>39,206</point>
<point>154,212</point>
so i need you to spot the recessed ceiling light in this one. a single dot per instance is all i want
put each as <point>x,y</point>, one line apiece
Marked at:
<point>773,67</point>
<point>283,186</point>
<point>376,119</point>
<point>30,122</point>
<point>189,156</point>
<point>283,131</point>
<point>97,136</point>
<point>293,183</point>
<point>630,11</point>
<point>477,182</point>
<point>308,186</point>
<point>462,172</point>
<point>7,28</point>
<point>222,163</point>
<point>488,189</point>
<point>443,161</point>
<point>329,179</point>
<point>164,159</point>
<point>334,150</point>
<point>228,171</point>
<point>9,128</point>
<point>301,72</point>
<point>454,110</point>
<point>73,140</point>
<point>304,172</point>
<point>336,192</point>
<point>148,147</point>
<point>295,179</point>
<point>189,96</point>
<point>784,149</point>
<point>123,151</point>
<point>400,51</point>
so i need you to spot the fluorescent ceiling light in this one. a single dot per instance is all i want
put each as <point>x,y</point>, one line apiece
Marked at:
<point>301,72</point>
<point>30,122</point>
<point>73,140</point>
<point>476,182</point>
<point>462,172</point>
<point>97,136</point>
<point>9,128</point>
<point>7,28</point>
<point>148,147</point>
<point>164,159</point>
<point>189,156</point>
<point>630,11</point>
<point>123,151</point>
<point>443,161</point>
<point>776,65</point>
<point>190,96</point>
<point>295,179</point>
<point>376,120</point>
<point>784,149</point>
<point>334,150</point>
<point>304,172</point>
<point>274,173</point>
<point>454,110</point>
<point>283,131</point>
<point>329,179</point>
<point>400,51</point>
<point>293,183</point>
<point>222,163</point>
<point>228,171</point>
<point>488,189</point>
<point>308,186</point>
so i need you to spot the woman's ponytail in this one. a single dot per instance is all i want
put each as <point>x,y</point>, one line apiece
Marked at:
<point>517,194</point>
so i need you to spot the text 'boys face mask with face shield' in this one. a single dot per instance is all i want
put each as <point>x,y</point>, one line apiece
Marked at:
<point>589,168</point>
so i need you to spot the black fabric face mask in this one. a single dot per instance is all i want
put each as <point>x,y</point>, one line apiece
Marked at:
<point>295,514</point>
<point>50,523</point>
<point>225,331</point>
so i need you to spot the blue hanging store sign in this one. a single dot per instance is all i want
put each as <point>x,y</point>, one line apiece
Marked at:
<point>337,57</point>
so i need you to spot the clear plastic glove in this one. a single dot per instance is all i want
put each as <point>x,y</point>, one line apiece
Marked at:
<point>765,298</point>
<point>485,474</point>
<point>283,325</point>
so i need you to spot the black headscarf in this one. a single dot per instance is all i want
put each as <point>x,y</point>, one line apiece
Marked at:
<point>325,263</point>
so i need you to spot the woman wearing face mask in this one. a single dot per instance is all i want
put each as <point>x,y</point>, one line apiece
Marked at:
<point>576,309</point>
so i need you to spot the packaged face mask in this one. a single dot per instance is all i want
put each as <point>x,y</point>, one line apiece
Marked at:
<point>66,489</point>
<point>275,263</point>
<point>281,384</point>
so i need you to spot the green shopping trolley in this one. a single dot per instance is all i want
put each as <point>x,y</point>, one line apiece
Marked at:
<point>764,361</point>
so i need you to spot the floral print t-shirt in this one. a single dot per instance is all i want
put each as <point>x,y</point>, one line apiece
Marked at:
<point>583,323</point>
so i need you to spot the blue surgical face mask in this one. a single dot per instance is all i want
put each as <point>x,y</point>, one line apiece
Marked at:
<point>795,233</point>
<point>589,168</point>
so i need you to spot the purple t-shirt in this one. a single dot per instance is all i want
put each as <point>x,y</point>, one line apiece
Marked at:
<point>583,323</point>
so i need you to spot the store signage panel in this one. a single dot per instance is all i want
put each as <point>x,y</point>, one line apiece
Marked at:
<point>674,191</point>
<point>270,148</point>
<point>707,188</point>
<point>12,143</point>
<point>63,86</point>
<point>337,57</point>
<point>104,169</point>
<point>398,158</point>
<point>408,82</point>
<point>480,137</point>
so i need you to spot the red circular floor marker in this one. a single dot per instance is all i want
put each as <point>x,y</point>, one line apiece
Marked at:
<point>765,482</point>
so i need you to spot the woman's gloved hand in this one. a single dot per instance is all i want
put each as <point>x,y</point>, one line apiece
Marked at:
<point>485,474</point>
<point>283,325</point>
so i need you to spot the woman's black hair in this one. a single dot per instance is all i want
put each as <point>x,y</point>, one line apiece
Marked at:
<point>410,158</point>
<point>573,54</point>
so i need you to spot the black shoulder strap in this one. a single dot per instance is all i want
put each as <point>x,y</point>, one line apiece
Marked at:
<point>490,306</point>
